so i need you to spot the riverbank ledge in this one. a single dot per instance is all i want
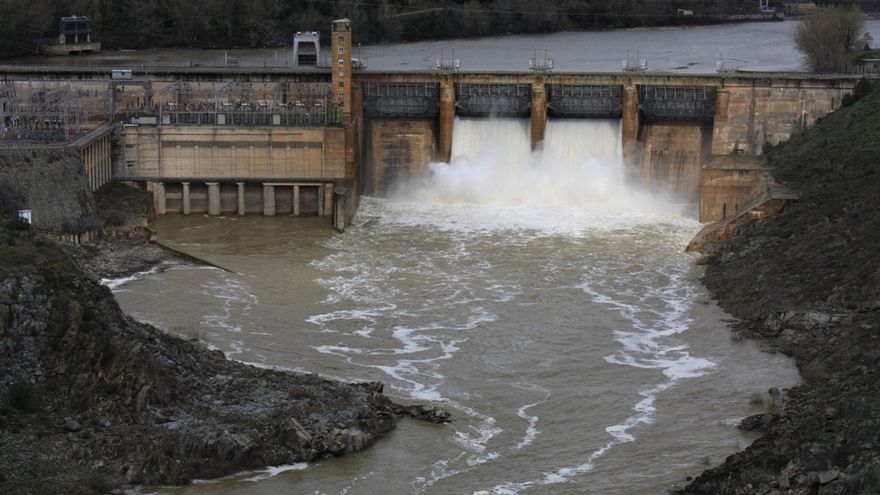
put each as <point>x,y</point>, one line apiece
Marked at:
<point>806,281</point>
<point>91,400</point>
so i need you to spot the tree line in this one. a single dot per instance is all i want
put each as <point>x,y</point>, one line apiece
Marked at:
<point>266,23</point>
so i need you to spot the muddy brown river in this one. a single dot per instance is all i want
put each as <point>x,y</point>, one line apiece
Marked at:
<point>547,305</point>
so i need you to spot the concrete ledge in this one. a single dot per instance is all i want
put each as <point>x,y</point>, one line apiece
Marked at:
<point>768,198</point>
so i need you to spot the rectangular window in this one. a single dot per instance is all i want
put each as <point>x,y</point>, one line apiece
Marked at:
<point>341,39</point>
<point>340,50</point>
<point>341,84</point>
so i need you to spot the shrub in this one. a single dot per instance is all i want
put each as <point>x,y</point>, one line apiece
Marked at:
<point>830,37</point>
<point>23,396</point>
<point>115,218</point>
<point>81,225</point>
<point>862,88</point>
<point>11,198</point>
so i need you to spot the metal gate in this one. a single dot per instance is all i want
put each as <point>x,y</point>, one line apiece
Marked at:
<point>688,103</point>
<point>483,100</point>
<point>575,100</point>
<point>402,99</point>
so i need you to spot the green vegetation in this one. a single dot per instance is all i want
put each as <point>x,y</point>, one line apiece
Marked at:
<point>11,198</point>
<point>224,23</point>
<point>117,203</point>
<point>845,147</point>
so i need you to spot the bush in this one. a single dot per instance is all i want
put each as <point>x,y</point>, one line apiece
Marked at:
<point>11,198</point>
<point>862,88</point>
<point>23,396</point>
<point>115,218</point>
<point>830,37</point>
<point>81,225</point>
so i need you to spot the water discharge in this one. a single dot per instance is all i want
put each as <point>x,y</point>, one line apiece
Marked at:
<point>579,173</point>
<point>537,295</point>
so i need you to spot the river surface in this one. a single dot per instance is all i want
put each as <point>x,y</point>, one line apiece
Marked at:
<point>753,46</point>
<point>544,303</point>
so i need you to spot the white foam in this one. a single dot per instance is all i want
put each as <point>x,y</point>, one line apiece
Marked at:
<point>576,182</point>
<point>532,428</point>
<point>276,470</point>
<point>474,439</point>
<point>115,283</point>
<point>575,186</point>
<point>238,301</point>
<point>656,315</point>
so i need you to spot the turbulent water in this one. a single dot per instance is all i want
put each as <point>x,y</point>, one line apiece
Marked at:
<point>547,305</point>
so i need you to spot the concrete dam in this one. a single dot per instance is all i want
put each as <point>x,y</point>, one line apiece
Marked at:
<point>308,141</point>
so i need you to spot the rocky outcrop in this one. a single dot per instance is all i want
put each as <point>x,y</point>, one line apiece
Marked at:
<point>92,399</point>
<point>53,183</point>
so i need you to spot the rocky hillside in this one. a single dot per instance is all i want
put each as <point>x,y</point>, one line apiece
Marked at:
<point>808,281</point>
<point>90,399</point>
<point>52,183</point>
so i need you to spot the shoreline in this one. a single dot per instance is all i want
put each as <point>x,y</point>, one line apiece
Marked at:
<point>92,400</point>
<point>806,283</point>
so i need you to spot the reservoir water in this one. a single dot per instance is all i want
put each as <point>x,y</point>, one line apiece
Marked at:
<point>546,304</point>
<point>753,46</point>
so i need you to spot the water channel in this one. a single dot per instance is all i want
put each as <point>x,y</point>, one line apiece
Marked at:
<point>546,304</point>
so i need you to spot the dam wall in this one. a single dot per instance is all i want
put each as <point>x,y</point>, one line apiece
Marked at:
<point>671,125</point>
<point>399,149</point>
<point>747,116</point>
<point>295,128</point>
<point>671,157</point>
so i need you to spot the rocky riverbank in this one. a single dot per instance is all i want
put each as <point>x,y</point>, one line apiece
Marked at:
<point>807,281</point>
<point>91,400</point>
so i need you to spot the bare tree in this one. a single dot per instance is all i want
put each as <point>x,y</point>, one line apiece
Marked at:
<point>830,37</point>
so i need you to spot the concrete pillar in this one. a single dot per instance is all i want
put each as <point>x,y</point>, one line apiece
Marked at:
<point>630,125</point>
<point>241,205</point>
<point>94,164</point>
<point>102,162</point>
<point>447,119</point>
<point>213,198</point>
<point>539,114</point>
<point>328,199</point>
<point>159,198</point>
<point>93,157</point>
<point>268,200</point>
<point>109,157</point>
<point>722,101</point>
<point>296,201</point>
<point>186,204</point>
<point>90,156</point>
